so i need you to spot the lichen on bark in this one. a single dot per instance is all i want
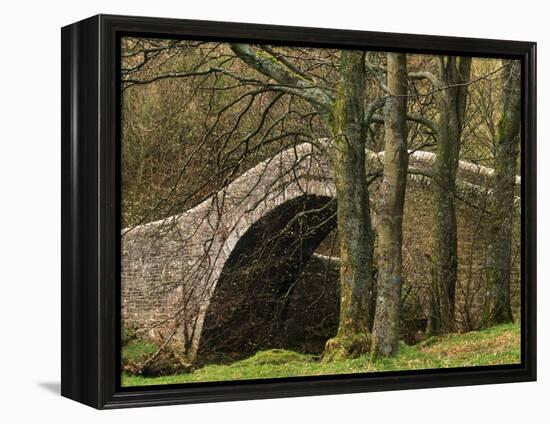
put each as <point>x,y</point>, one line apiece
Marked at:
<point>355,231</point>
<point>390,213</point>
<point>499,249</point>
<point>453,74</point>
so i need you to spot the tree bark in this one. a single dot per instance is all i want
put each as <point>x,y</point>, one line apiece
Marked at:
<point>353,218</point>
<point>453,75</point>
<point>344,116</point>
<point>499,251</point>
<point>390,214</point>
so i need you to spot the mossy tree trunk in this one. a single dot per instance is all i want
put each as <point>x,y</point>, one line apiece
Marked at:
<point>390,213</point>
<point>354,222</point>
<point>499,251</point>
<point>453,75</point>
<point>344,115</point>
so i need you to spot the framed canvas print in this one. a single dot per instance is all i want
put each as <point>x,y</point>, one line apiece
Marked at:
<point>253,211</point>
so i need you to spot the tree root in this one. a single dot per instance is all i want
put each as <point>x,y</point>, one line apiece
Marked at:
<point>346,347</point>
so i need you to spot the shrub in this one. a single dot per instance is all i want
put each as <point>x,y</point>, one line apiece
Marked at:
<point>145,359</point>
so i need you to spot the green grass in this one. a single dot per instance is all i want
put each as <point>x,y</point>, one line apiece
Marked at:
<point>494,346</point>
<point>138,351</point>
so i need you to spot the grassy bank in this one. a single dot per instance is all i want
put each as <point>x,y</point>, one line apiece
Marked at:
<point>494,346</point>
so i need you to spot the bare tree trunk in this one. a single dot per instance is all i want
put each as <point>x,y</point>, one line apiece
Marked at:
<point>354,222</point>
<point>499,252</point>
<point>390,214</point>
<point>454,72</point>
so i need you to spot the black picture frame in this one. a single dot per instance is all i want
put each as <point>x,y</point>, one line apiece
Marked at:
<point>91,212</point>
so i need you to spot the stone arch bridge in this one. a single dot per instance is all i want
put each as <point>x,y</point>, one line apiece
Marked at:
<point>211,278</point>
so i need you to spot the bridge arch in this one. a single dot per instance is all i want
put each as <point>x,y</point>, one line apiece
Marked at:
<point>254,297</point>
<point>180,260</point>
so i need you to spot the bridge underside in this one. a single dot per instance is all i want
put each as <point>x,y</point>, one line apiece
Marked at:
<point>260,301</point>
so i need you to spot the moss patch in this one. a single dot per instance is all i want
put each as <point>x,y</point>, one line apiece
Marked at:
<point>276,357</point>
<point>345,347</point>
<point>137,351</point>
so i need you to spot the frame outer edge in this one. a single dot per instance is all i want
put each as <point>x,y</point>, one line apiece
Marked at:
<point>530,221</point>
<point>80,306</point>
<point>89,202</point>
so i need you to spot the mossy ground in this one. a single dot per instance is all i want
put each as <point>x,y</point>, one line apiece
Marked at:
<point>494,346</point>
